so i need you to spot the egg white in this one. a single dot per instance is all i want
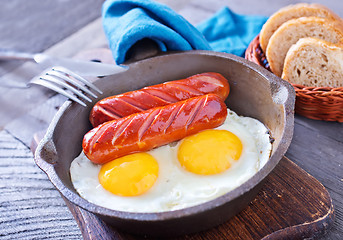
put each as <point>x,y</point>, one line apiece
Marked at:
<point>175,187</point>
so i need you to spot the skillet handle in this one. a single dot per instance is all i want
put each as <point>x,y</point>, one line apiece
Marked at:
<point>45,154</point>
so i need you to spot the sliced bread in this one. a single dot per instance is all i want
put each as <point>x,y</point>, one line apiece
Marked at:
<point>291,31</point>
<point>314,62</point>
<point>292,12</point>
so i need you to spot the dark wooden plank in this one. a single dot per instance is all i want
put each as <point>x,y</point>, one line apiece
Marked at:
<point>291,205</point>
<point>91,226</point>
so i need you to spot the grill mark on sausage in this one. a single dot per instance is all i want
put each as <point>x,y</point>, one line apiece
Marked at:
<point>186,88</point>
<point>161,95</point>
<point>125,101</point>
<point>121,101</point>
<point>131,101</point>
<point>122,127</point>
<point>109,113</point>
<point>97,136</point>
<point>171,118</point>
<point>203,106</point>
<point>195,111</point>
<point>212,79</point>
<point>112,110</point>
<point>147,123</point>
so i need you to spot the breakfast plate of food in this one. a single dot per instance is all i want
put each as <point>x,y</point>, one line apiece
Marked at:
<point>179,138</point>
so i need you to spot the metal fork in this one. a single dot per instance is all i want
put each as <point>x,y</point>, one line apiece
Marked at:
<point>67,83</point>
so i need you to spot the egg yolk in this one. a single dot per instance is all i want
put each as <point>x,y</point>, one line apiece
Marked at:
<point>209,152</point>
<point>131,175</point>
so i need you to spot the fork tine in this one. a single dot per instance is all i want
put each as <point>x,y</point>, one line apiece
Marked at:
<point>50,85</point>
<point>67,83</point>
<point>81,79</point>
<point>70,80</point>
<point>53,79</point>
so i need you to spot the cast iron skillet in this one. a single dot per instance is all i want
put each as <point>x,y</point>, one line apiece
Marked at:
<point>255,92</point>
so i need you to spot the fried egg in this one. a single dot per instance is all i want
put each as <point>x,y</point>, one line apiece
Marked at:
<point>186,173</point>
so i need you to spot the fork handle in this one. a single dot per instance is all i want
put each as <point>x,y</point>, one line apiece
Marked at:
<point>8,54</point>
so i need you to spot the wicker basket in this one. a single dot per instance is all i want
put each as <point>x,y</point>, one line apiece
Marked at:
<point>321,103</point>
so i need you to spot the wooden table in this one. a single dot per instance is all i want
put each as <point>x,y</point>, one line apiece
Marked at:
<point>30,207</point>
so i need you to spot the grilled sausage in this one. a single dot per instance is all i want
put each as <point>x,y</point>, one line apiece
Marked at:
<point>152,128</point>
<point>122,105</point>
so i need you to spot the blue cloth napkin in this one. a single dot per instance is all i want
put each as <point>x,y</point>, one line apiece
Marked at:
<point>128,21</point>
<point>229,32</point>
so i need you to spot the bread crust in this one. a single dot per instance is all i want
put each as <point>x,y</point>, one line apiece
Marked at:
<point>291,31</point>
<point>325,68</point>
<point>292,12</point>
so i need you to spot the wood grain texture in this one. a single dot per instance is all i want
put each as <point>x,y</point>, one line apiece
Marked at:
<point>48,23</point>
<point>317,147</point>
<point>252,7</point>
<point>27,99</point>
<point>291,205</point>
<point>30,207</point>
